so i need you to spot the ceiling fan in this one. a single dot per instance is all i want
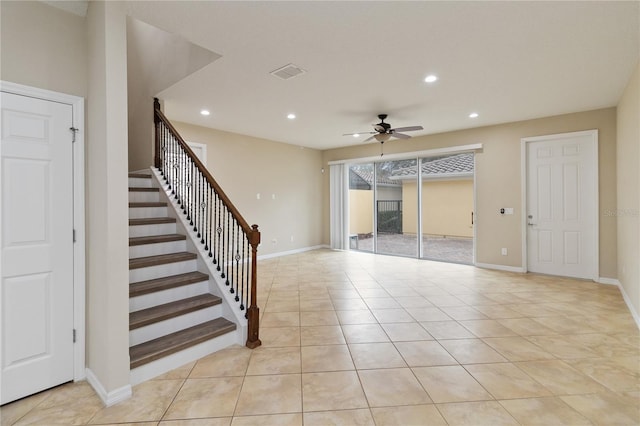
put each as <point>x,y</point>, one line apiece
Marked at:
<point>383,131</point>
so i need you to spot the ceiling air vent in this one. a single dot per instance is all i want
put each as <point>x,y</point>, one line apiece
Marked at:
<point>287,72</point>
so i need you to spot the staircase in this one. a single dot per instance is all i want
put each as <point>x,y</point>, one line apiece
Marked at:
<point>176,312</point>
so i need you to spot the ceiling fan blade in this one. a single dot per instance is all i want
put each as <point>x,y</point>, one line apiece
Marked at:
<point>369,138</point>
<point>359,133</point>
<point>400,135</point>
<point>408,129</point>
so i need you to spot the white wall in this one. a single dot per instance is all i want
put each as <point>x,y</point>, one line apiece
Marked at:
<point>628,180</point>
<point>107,200</point>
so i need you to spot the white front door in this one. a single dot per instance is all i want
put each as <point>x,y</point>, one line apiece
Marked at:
<point>562,204</point>
<point>36,175</point>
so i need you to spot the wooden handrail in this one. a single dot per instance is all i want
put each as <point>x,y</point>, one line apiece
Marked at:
<point>251,232</point>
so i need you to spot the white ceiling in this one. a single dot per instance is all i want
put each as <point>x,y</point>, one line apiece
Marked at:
<point>508,61</point>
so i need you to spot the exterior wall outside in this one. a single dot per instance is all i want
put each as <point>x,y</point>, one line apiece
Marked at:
<point>446,208</point>
<point>389,193</point>
<point>498,179</point>
<point>627,211</point>
<point>288,179</point>
<point>360,211</point>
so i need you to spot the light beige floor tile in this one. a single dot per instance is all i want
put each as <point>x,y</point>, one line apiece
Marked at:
<point>338,418</point>
<point>309,305</point>
<point>428,314</point>
<point>496,311</point>
<point>184,422</point>
<point>416,301</point>
<point>442,330</point>
<point>280,319</point>
<point>217,421</point>
<point>356,317</point>
<point>392,315</point>
<point>321,335</point>
<point>391,387</point>
<point>318,318</point>
<point>149,402</point>
<point>280,336</point>
<point>364,333</point>
<point>543,412</point>
<point>406,332</point>
<point>605,408</point>
<point>275,394</point>
<point>560,377</point>
<point>274,361</point>
<point>200,398</point>
<point>517,349</point>
<point>424,354</point>
<point>227,362</point>
<point>349,304</point>
<point>450,384</point>
<point>373,292</point>
<point>471,351</point>
<point>344,294</point>
<point>10,413</point>
<point>505,381</point>
<point>375,355</point>
<point>282,305</point>
<point>408,416</point>
<point>561,347</point>
<point>527,327</point>
<point>382,303</point>
<point>607,346</point>
<point>293,419</point>
<point>326,358</point>
<point>487,328</point>
<point>565,325</point>
<point>476,413</point>
<point>630,363</point>
<point>332,391</point>
<point>609,373</point>
<point>445,301</point>
<point>461,313</point>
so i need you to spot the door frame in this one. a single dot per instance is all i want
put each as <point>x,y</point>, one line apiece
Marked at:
<point>596,198</point>
<point>79,289</point>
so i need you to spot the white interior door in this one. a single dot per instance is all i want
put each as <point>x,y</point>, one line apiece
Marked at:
<point>37,245</point>
<point>562,204</point>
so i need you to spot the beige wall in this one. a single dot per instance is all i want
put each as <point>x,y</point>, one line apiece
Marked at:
<point>446,208</point>
<point>498,179</point>
<point>43,47</point>
<point>360,211</point>
<point>628,207</point>
<point>246,166</point>
<point>107,197</point>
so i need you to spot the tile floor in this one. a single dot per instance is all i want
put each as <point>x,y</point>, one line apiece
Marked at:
<point>356,339</point>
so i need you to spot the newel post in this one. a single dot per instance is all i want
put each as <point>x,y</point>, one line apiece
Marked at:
<point>253,313</point>
<point>156,121</point>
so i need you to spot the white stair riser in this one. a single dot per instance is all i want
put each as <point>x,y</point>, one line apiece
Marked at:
<point>148,230</point>
<point>163,365</point>
<point>140,182</point>
<point>160,271</point>
<point>147,212</point>
<point>165,296</point>
<point>157,248</point>
<point>162,328</point>
<point>143,197</point>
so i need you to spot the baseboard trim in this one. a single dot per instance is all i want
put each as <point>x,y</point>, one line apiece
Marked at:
<point>108,398</point>
<point>627,300</point>
<point>289,252</point>
<point>608,281</point>
<point>505,268</point>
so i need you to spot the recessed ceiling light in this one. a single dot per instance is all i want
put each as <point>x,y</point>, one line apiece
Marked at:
<point>430,78</point>
<point>473,115</point>
<point>205,112</point>
<point>291,116</point>
<point>356,135</point>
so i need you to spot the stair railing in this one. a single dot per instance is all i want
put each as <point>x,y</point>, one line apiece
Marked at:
<point>230,242</point>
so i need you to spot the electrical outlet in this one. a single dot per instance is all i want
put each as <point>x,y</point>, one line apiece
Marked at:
<point>504,251</point>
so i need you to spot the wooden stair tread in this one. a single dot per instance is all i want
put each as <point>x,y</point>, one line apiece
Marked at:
<point>161,259</point>
<point>165,283</point>
<point>153,239</point>
<point>155,349</point>
<point>150,204</point>
<point>170,310</point>
<point>143,189</point>
<point>139,175</point>
<point>151,221</point>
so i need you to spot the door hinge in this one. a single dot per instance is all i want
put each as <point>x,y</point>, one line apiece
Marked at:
<point>74,235</point>
<point>74,130</point>
<point>74,335</point>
